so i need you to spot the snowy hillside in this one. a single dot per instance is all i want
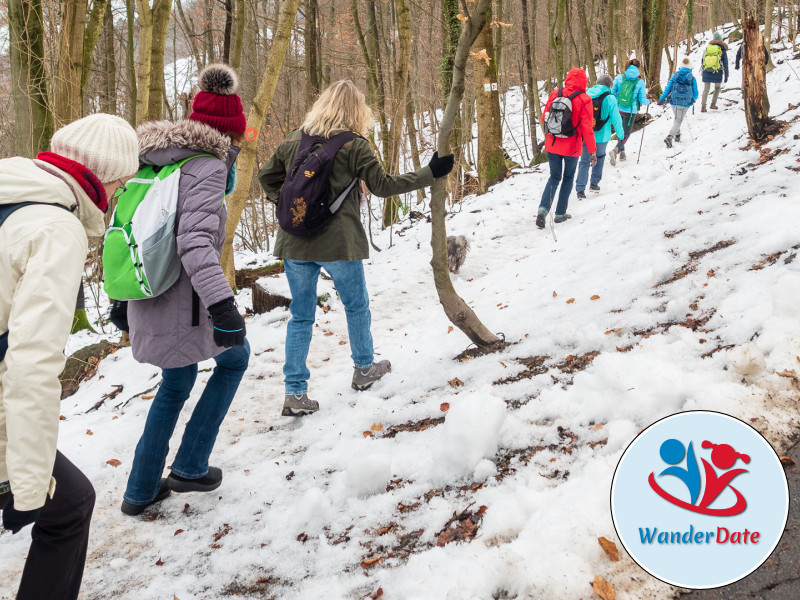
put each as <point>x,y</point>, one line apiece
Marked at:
<point>676,288</point>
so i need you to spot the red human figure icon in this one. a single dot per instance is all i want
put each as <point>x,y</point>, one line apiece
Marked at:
<point>724,457</point>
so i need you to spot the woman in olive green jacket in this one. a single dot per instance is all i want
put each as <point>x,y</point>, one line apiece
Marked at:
<point>341,246</point>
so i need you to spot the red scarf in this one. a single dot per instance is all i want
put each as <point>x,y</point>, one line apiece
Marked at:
<point>85,178</point>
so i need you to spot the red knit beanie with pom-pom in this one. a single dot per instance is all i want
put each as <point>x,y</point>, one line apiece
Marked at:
<point>217,104</point>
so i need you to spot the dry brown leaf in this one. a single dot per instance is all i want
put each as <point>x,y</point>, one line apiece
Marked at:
<point>159,562</point>
<point>571,301</point>
<point>786,461</point>
<point>595,297</point>
<point>554,294</point>
<point>710,273</point>
<point>789,373</point>
<point>462,18</point>
<point>326,309</point>
<point>113,462</point>
<point>610,548</point>
<point>371,561</point>
<point>328,333</point>
<point>500,24</point>
<point>377,427</point>
<point>378,594</point>
<point>342,343</point>
<point>597,427</point>
<point>89,432</point>
<point>455,382</point>
<point>449,329</point>
<point>148,397</point>
<point>178,532</point>
<point>368,434</point>
<point>481,54</point>
<point>614,331</point>
<point>603,589</point>
<point>444,406</point>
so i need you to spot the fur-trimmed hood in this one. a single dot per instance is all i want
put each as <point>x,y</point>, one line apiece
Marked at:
<point>181,136</point>
<point>719,43</point>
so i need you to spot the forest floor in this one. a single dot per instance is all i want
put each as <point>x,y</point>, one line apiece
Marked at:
<point>674,289</point>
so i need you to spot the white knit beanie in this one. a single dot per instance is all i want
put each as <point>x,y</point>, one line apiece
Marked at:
<point>105,144</point>
<point>686,62</point>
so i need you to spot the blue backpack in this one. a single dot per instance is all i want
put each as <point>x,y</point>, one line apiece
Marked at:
<point>681,93</point>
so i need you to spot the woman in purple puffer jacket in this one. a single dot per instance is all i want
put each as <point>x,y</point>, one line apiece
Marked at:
<point>196,319</point>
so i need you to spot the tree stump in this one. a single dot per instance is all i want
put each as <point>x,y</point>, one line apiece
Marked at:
<point>264,299</point>
<point>754,82</point>
<point>82,365</point>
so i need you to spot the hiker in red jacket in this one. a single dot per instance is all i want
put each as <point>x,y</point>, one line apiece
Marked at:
<point>567,119</point>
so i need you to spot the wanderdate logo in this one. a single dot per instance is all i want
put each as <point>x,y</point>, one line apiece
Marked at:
<point>699,499</point>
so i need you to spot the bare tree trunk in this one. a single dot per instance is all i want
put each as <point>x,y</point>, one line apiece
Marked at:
<point>90,37</point>
<point>532,29</point>
<point>145,44</point>
<point>132,83</point>
<point>754,81</point>
<point>255,119</point>
<point>532,90</point>
<point>33,119</point>
<point>610,56</point>
<point>188,30</point>
<point>768,8</point>
<point>557,39</point>
<point>311,59</point>
<point>160,25</point>
<point>68,93</point>
<point>392,155</point>
<point>238,39</point>
<point>491,157</point>
<point>459,313</point>
<point>108,101</point>
<point>227,32</point>
<point>586,34</point>
<point>208,25</point>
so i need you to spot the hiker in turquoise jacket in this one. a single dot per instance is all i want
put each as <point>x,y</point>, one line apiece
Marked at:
<point>609,116</point>
<point>631,93</point>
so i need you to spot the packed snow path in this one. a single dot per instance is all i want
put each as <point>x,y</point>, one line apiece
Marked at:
<point>676,288</point>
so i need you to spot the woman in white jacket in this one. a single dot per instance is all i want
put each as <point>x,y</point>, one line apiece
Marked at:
<point>48,207</point>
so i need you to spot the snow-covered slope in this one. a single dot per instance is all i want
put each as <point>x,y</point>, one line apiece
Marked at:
<point>676,288</point>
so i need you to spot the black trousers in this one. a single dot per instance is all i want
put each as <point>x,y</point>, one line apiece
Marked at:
<point>54,568</point>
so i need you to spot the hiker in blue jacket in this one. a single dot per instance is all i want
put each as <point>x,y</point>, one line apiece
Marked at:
<point>631,93</point>
<point>715,69</point>
<point>606,115</point>
<point>681,93</point>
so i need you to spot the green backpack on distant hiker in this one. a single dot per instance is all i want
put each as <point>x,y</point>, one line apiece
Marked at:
<point>627,93</point>
<point>712,60</point>
<point>140,252</point>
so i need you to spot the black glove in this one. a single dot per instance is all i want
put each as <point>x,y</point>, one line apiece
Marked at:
<point>228,324</point>
<point>441,166</point>
<point>119,314</point>
<point>14,520</point>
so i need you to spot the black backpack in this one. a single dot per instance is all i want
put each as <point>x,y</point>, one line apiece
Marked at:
<point>304,205</point>
<point>559,119</point>
<point>597,110</point>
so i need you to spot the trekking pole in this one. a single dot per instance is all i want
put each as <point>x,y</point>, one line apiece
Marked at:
<point>643,128</point>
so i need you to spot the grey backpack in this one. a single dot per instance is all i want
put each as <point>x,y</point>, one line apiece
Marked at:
<point>559,119</point>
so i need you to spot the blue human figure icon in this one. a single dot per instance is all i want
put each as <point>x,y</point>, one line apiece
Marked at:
<point>672,453</point>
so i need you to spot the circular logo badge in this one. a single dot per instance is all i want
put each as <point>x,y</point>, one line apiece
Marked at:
<point>699,499</point>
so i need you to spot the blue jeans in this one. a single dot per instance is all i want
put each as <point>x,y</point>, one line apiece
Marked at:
<point>627,125</point>
<point>201,430</point>
<point>348,277</point>
<point>586,161</point>
<point>559,164</point>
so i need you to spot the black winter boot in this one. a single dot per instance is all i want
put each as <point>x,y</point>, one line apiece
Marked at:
<point>211,481</point>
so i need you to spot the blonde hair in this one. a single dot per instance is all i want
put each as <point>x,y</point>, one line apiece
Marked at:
<point>341,107</point>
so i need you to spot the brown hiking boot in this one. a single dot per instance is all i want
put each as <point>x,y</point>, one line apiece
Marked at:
<point>703,109</point>
<point>714,107</point>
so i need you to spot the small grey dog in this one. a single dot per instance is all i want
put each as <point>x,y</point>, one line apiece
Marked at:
<point>457,248</point>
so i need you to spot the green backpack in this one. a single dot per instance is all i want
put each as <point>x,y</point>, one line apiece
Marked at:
<point>712,61</point>
<point>140,252</point>
<point>627,93</point>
